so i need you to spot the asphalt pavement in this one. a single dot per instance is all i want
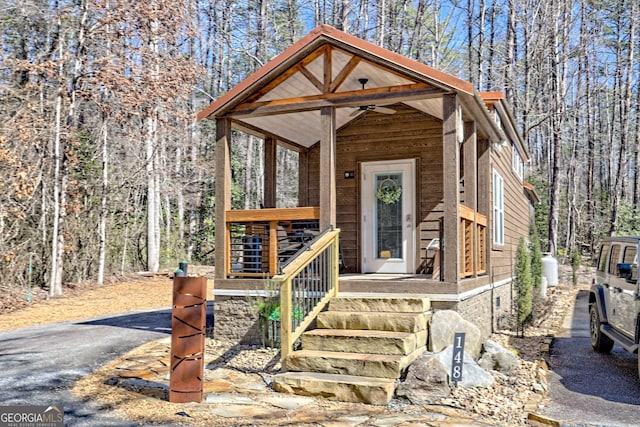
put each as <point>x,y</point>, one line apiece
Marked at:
<point>40,364</point>
<point>588,388</point>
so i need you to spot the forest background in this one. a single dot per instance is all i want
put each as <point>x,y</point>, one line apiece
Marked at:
<point>104,170</point>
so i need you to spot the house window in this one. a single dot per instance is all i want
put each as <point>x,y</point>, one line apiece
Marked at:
<point>517,163</point>
<point>498,209</point>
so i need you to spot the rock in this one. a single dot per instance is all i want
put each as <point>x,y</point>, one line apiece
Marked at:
<point>472,374</point>
<point>496,357</point>
<point>444,324</point>
<point>427,380</point>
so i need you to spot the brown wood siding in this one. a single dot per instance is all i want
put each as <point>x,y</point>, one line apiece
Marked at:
<point>407,134</point>
<point>516,216</point>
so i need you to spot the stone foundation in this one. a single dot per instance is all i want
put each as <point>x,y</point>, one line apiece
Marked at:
<point>236,320</point>
<point>489,308</point>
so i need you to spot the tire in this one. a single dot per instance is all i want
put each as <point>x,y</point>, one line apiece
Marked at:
<point>599,341</point>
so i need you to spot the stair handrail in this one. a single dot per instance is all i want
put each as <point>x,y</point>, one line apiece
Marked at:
<point>327,240</point>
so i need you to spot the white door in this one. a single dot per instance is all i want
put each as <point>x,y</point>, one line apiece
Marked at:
<point>388,234</point>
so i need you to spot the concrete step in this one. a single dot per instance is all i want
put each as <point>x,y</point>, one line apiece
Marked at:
<point>344,388</point>
<point>342,363</point>
<point>364,341</point>
<point>365,320</point>
<point>392,304</point>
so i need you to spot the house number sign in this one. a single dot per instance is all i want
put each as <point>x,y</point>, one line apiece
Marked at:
<point>458,357</point>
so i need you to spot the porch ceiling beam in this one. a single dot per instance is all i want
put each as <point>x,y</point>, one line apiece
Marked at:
<point>286,74</point>
<point>261,133</point>
<point>390,94</point>
<point>344,73</point>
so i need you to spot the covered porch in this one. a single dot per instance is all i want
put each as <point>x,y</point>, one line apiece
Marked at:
<point>353,111</point>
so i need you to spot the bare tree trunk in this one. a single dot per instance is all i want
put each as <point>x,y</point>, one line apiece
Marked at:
<point>624,68</point>
<point>55,285</point>
<point>102,249</point>
<point>153,211</point>
<point>556,123</point>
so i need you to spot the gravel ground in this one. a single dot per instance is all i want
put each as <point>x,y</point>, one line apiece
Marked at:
<point>506,403</point>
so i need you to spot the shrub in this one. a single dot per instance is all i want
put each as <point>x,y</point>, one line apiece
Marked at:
<point>523,285</point>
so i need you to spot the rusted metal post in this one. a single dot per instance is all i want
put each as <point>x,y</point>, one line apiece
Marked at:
<point>188,324</point>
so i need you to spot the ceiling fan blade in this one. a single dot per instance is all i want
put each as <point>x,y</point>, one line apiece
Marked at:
<point>355,112</point>
<point>385,110</point>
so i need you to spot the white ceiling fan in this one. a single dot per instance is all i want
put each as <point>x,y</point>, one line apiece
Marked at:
<point>371,107</point>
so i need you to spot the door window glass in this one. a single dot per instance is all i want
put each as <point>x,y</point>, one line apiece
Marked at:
<point>389,215</point>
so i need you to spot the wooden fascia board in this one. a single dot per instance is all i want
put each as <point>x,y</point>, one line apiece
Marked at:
<point>390,94</point>
<point>264,75</point>
<point>506,110</point>
<point>476,106</point>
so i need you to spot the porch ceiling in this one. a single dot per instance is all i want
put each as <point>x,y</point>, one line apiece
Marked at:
<point>290,109</point>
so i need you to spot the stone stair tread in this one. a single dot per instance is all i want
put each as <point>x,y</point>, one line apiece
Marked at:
<point>380,303</point>
<point>375,313</point>
<point>346,388</point>
<point>361,320</point>
<point>366,333</point>
<point>346,355</point>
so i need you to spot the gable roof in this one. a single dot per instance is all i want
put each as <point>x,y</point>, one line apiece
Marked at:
<point>328,34</point>
<point>282,97</point>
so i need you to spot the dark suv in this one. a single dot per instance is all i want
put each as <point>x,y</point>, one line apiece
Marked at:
<point>614,299</point>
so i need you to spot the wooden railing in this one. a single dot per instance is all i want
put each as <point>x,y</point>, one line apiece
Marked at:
<point>473,253</point>
<point>306,285</point>
<point>258,241</point>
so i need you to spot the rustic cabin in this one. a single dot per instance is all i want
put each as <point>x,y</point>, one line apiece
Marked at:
<point>410,183</point>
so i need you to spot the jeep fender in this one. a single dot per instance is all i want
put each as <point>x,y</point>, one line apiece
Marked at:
<point>596,296</point>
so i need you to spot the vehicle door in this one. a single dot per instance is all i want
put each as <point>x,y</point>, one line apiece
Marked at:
<point>626,290</point>
<point>612,284</point>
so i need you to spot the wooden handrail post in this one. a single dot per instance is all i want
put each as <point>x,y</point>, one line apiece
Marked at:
<point>273,248</point>
<point>335,273</point>
<point>286,323</point>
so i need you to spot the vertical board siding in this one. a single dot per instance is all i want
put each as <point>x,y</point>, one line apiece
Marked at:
<point>407,134</point>
<point>516,216</point>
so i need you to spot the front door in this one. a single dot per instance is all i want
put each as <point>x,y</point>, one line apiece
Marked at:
<point>388,234</point>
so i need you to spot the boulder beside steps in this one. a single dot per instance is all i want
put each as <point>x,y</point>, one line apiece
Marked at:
<point>361,347</point>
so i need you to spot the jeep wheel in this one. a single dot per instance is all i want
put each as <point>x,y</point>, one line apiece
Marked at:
<point>599,341</point>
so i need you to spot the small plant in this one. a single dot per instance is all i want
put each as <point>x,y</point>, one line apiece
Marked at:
<point>575,265</point>
<point>523,286</point>
<point>268,304</point>
<point>268,308</point>
<point>536,258</point>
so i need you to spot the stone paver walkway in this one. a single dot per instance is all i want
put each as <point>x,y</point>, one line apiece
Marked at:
<point>234,397</point>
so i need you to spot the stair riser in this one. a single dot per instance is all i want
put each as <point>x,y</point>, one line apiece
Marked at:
<point>383,304</point>
<point>372,321</point>
<point>344,392</point>
<point>373,345</point>
<point>334,364</point>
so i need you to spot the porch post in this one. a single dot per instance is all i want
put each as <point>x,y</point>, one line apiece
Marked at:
<point>471,181</point>
<point>223,194</point>
<point>451,187</point>
<point>270,172</point>
<point>485,189</point>
<point>303,178</point>
<point>327,167</point>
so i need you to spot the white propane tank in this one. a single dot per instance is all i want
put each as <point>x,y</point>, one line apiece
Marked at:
<point>550,269</point>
